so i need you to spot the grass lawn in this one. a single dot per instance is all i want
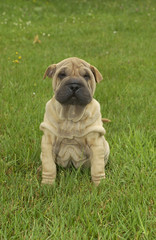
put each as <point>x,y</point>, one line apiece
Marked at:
<point>119,38</point>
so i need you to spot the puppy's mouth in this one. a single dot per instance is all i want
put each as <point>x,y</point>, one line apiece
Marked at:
<point>73,100</point>
<point>73,93</point>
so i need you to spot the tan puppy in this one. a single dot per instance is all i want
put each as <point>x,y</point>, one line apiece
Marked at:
<point>72,126</point>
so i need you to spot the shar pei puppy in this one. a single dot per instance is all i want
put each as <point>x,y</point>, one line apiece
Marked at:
<point>72,125</point>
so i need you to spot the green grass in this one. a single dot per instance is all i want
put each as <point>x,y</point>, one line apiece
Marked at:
<point>118,37</point>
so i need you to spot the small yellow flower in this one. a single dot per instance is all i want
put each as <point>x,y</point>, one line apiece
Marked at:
<point>15,61</point>
<point>19,57</point>
<point>35,84</point>
<point>16,53</point>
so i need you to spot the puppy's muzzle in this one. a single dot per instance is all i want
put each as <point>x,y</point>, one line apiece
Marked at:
<point>74,92</point>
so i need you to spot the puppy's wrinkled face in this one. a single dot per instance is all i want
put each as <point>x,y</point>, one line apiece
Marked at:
<point>74,84</point>
<point>74,81</point>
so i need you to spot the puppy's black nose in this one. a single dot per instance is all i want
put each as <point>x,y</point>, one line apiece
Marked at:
<point>74,87</point>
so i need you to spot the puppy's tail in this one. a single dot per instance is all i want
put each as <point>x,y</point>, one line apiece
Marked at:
<point>105,120</point>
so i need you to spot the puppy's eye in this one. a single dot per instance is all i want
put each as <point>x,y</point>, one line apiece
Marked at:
<point>62,75</point>
<point>86,76</point>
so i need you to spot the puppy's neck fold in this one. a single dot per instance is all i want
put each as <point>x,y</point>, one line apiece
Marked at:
<point>70,112</point>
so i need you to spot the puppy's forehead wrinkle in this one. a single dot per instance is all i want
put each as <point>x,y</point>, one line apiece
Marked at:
<point>73,62</point>
<point>73,68</point>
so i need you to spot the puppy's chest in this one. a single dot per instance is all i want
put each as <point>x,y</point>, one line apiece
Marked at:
<point>67,151</point>
<point>70,129</point>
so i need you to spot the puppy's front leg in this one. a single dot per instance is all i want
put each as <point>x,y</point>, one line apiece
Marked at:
<point>48,164</point>
<point>100,153</point>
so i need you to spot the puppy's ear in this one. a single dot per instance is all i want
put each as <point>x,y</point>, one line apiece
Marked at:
<point>50,71</point>
<point>97,74</point>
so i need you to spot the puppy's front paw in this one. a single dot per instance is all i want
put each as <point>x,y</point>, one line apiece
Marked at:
<point>96,183</point>
<point>47,179</point>
<point>97,179</point>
